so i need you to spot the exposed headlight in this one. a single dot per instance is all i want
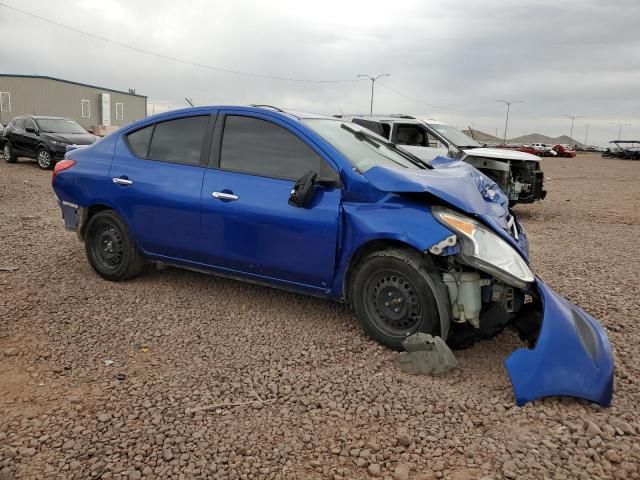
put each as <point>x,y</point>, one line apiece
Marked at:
<point>484,250</point>
<point>59,144</point>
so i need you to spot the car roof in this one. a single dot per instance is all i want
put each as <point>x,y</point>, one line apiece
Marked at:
<point>392,118</point>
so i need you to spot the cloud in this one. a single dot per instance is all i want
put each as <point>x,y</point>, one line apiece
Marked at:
<point>572,57</point>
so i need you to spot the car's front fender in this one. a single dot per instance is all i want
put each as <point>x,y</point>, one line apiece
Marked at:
<point>572,355</point>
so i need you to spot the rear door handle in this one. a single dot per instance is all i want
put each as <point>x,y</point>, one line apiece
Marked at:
<point>224,196</point>
<point>122,181</point>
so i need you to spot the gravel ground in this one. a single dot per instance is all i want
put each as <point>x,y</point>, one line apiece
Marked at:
<point>319,399</point>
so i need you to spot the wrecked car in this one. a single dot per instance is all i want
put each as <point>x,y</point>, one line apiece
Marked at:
<point>518,174</point>
<point>326,207</point>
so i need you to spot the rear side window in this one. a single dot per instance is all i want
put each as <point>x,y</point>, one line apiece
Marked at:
<point>179,141</point>
<point>259,147</point>
<point>19,123</point>
<point>139,141</point>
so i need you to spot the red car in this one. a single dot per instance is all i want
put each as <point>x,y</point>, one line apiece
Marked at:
<point>563,151</point>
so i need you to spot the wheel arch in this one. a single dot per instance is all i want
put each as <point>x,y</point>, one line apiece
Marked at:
<point>380,244</point>
<point>87,212</point>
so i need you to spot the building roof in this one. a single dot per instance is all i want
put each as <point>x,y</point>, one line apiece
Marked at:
<point>72,82</point>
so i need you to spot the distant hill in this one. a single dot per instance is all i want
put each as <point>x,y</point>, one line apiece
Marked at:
<point>539,138</point>
<point>483,137</point>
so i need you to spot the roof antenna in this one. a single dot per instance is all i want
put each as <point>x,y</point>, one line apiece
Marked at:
<point>189,101</point>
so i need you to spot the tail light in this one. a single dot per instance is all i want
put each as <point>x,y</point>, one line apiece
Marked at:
<point>60,167</point>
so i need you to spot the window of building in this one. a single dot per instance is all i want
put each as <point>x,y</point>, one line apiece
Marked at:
<point>179,141</point>
<point>5,102</point>
<point>263,148</point>
<point>119,111</point>
<point>139,141</point>
<point>86,109</point>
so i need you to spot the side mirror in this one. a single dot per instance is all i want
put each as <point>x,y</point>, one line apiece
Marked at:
<point>303,190</point>
<point>31,130</point>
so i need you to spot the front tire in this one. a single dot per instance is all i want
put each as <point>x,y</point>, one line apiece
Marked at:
<point>8,154</point>
<point>393,294</point>
<point>110,249</point>
<point>44,159</point>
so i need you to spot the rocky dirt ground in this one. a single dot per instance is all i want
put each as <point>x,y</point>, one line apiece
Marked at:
<point>319,399</point>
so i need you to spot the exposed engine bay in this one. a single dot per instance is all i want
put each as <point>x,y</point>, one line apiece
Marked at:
<point>522,181</point>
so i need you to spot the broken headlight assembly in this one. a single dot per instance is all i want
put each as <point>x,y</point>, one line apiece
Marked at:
<point>484,250</point>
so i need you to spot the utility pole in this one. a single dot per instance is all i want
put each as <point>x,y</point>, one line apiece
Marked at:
<point>620,125</point>
<point>506,123</point>
<point>373,82</point>
<point>586,134</point>
<point>573,118</point>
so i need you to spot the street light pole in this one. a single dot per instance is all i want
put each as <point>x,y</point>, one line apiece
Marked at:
<point>620,125</point>
<point>572,117</point>
<point>586,134</point>
<point>506,123</point>
<point>373,82</point>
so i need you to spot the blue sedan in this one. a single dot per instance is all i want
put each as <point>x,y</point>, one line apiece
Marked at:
<point>325,207</point>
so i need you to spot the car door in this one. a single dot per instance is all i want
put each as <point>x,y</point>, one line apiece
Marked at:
<point>30,139</point>
<point>16,136</point>
<point>156,177</point>
<point>247,223</point>
<point>416,139</point>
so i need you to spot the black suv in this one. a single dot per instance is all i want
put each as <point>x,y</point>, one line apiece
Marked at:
<point>44,138</point>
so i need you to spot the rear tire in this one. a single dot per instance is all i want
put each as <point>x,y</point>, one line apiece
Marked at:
<point>110,249</point>
<point>392,295</point>
<point>44,159</point>
<point>8,154</point>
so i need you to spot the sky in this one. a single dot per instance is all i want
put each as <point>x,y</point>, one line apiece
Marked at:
<point>451,61</point>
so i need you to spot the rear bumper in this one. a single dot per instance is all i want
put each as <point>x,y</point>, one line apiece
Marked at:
<point>572,356</point>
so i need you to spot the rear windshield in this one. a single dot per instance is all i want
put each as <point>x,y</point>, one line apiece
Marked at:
<point>362,148</point>
<point>59,125</point>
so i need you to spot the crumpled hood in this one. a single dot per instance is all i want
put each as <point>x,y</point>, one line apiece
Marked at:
<point>501,154</point>
<point>458,184</point>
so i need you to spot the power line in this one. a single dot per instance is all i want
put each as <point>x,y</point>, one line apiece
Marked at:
<point>168,57</point>
<point>417,100</point>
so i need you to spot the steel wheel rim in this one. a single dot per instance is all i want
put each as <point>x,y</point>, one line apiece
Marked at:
<point>108,247</point>
<point>393,303</point>
<point>44,159</point>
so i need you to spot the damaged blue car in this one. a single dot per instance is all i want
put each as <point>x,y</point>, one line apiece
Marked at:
<point>325,207</point>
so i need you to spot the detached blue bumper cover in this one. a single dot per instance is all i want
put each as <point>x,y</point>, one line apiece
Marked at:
<point>572,356</point>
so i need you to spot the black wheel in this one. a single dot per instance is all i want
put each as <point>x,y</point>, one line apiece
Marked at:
<point>44,159</point>
<point>393,294</point>
<point>111,252</point>
<point>8,154</point>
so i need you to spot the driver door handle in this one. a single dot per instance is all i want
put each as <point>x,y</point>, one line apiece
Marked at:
<point>224,196</point>
<point>122,181</point>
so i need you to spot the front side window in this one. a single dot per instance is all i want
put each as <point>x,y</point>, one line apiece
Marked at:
<point>29,123</point>
<point>259,147</point>
<point>179,140</point>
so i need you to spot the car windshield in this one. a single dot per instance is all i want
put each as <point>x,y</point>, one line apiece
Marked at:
<point>59,125</point>
<point>454,135</point>
<point>361,147</point>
